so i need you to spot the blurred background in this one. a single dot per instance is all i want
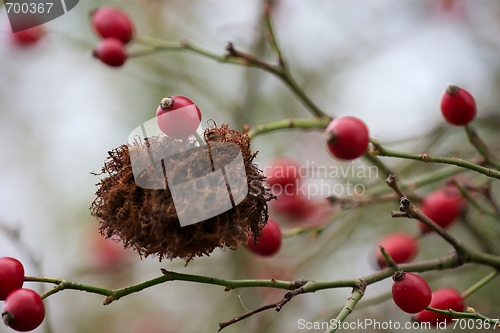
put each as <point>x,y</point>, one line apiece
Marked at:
<point>386,62</point>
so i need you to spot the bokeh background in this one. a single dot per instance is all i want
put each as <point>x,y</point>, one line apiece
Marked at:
<point>386,62</point>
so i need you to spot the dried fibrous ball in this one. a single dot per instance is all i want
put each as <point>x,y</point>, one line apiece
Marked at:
<point>179,199</point>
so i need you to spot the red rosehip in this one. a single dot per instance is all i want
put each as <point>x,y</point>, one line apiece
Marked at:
<point>282,172</point>
<point>11,276</point>
<point>178,117</point>
<point>443,207</point>
<point>105,254</point>
<point>347,138</point>
<point>111,52</point>
<point>443,299</point>
<point>401,246</point>
<point>410,292</point>
<point>458,106</point>
<point>111,22</point>
<point>23,310</point>
<point>293,204</point>
<point>269,242</point>
<point>29,36</point>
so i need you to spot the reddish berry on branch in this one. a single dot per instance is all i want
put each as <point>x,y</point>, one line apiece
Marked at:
<point>11,276</point>
<point>29,36</point>
<point>401,246</point>
<point>178,117</point>
<point>111,22</point>
<point>410,292</point>
<point>23,310</point>
<point>443,207</point>
<point>111,51</point>
<point>443,299</point>
<point>269,243</point>
<point>347,138</point>
<point>458,106</point>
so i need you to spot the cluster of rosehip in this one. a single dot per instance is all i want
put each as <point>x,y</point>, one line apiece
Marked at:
<point>23,309</point>
<point>410,292</point>
<point>116,30</point>
<point>348,138</point>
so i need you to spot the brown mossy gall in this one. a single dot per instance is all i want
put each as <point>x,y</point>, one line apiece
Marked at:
<point>147,219</point>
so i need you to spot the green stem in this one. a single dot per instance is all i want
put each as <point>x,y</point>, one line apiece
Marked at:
<point>473,315</point>
<point>237,58</point>
<point>381,151</point>
<point>116,294</point>
<point>474,202</point>
<point>388,259</point>
<point>379,164</point>
<point>423,180</point>
<point>480,284</point>
<point>289,81</point>
<point>481,147</point>
<point>356,296</point>
<point>156,45</point>
<point>311,123</point>
<point>271,36</point>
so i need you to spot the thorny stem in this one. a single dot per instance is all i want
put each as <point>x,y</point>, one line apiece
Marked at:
<point>297,287</point>
<point>356,296</point>
<point>115,294</point>
<point>381,151</point>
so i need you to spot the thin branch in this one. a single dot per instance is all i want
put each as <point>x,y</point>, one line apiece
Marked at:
<point>423,180</point>
<point>468,254</point>
<point>356,296</point>
<point>473,201</point>
<point>472,314</point>
<point>278,306</point>
<point>381,151</point>
<point>386,171</point>
<point>481,283</point>
<point>481,147</point>
<point>388,259</point>
<point>411,211</point>
<point>288,123</point>
<point>113,295</point>
<point>271,36</point>
<point>251,60</point>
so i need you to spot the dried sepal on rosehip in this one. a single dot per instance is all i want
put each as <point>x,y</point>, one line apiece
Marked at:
<point>147,220</point>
